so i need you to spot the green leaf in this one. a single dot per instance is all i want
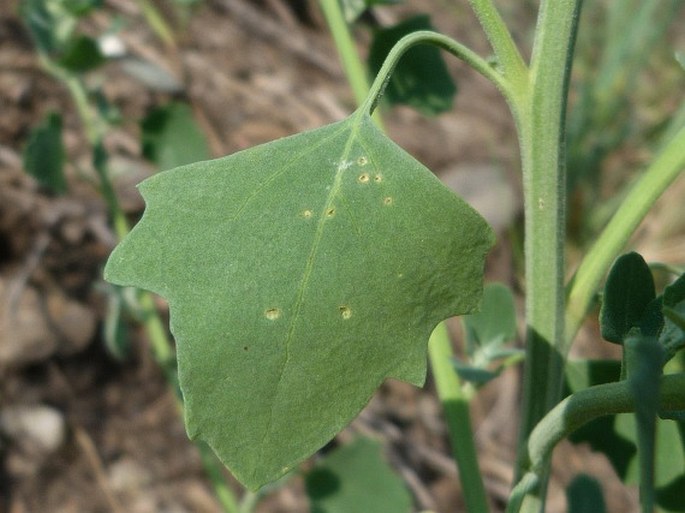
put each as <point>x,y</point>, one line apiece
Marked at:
<point>672,337</point>
<point>494,324</point>
<point>114,329</point>
<point>670,450</point>
<point>674,294</point>
<point>352,9</point>
<point>627,294</point>
<point>487,332</point>
<point>171,137</point>
<point>81,54</point>
<point>44,154</point>
<point>81,7</point>
<point>300,274</point>
<point>421,78</point>
<point>476,375</point>
<point>41,23</point>
<point>355,477</point>
<point>584,495</point>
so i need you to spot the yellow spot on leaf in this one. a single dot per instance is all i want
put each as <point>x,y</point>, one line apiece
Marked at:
<point>272,313</point>
<point>363,178</point>
<point>345,312</point>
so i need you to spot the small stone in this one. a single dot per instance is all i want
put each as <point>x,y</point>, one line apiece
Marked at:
<point>25,335</point>
<point>34,432</point>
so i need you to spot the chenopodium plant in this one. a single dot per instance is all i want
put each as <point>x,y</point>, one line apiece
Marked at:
<point>300,275</point>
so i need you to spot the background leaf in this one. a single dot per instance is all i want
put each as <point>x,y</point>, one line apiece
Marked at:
<point>487,332</point>
<point>672,337</point>
<point>300,274</point>
<point>420,79</point>
<point>44,154</point>
<point>355,477</point>
<point>81,54</point>
<point>171,137</point>
<point>584,495</point>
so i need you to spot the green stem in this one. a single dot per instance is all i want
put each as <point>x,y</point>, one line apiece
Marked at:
<point>541,133</point>
<point>456,408</point>
<point>571,414</point>
<point>668,165</point>
<point>446,43</point>
<point>347,51</point>
<point>591,403</point>
<point>507,53</point>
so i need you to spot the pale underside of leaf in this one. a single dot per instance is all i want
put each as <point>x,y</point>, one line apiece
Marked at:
<point>300,274</point>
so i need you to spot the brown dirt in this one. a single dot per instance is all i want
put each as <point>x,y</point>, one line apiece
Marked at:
<point>253,71</point>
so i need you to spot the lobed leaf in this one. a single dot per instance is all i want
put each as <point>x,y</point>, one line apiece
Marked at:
<point>300,274</point>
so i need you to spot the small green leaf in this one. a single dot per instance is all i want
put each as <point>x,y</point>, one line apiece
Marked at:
<point>584,495</point>
<point>627,294</point>
<point>44,154</point>
<point>475,375</point>
<point>421,78</point>
<point>674,294</point>
<point>171,137</point>
<point>487,331</point>
<point>81,54</point>
<point>41,23</point>
<point>494,324</point>
<point>300,274</point>
<point>672,337</point>
<point>356,478</point>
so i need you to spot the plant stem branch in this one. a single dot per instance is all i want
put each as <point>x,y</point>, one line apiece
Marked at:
<point>448,44</point>
<point>507,53</point>
<point>574,412</point>
<point>667,166</point>
<point>456,408</point>
<point>591,403</point>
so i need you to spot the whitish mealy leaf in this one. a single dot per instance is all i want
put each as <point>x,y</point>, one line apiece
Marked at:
<point>300,274</point>
<point>355,477</point>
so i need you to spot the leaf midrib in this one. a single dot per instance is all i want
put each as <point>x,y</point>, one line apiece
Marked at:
<point>357,121</point>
